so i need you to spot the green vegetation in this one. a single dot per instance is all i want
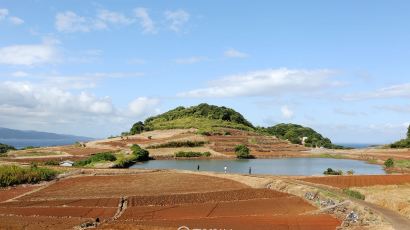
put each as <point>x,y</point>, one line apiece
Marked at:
<point>97,158</point>
<point>328,155</point>
<point>202,116</point>
<point>178,144</point>
<point>242,152</point>
<point>137,128</point>
<point>354,194</point>
<point>37,154</point>
<point>192,154</point>
<point>13,175</point>
<point>295,133</point>
<point>403,143</point>
<point>389,163</point>
<point>29,147</point>
<point>402,163</point>
<point>330,171</point>
<point>125,161</point>
<point>51,162</point>
<point>140,153</point>
<point>5,148</point>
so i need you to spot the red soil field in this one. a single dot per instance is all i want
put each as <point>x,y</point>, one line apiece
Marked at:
<point>11,192</point>
<point>103,202</point>
<point>278,222</point>
<point>132,185</point>
<point>359,181</point>
<point>73,150</point>
<point>102,213</point>
<point>234,195</point>
<point>39,222</point>
<point>272,206</point>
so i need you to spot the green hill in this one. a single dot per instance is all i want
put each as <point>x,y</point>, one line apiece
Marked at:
<point>403,143</point>
<point>295,134</point>
<point>203,117</point>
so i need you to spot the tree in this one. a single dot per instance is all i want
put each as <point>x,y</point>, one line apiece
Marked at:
<point>137,128</point>
<point>408,132</point>
<point>242,152</point>
<point>5,148</point>
<point>389,163</point>
<point>140,153</point>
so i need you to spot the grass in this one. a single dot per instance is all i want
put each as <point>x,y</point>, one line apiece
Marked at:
<point>178,144</point>
<point>196,122</point>
<point>402,163</point>
<point>125,161</point>
<point>97,158</point>
<point>328,155</point>
<point>354,194</point>
<point>192,154</point>
<point>13,175</point>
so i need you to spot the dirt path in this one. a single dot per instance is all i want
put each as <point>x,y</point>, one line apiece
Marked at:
<point>398,221</point>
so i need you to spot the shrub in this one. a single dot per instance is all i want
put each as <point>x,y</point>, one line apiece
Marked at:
<point>125,161</point>
<point>350,172</point>
<point>389,163</point>
<point>29,147</point>
<point>51,162</point>
<point>108,156</point>
<point>354,194</point>
<point>330,171</point>
<point>178,144</point>
<point>140,153</point>
<point>242,151</point>
<point>137,128</point>
<point>13,175</point>
<point>5,148</point>
<point>192,154</point>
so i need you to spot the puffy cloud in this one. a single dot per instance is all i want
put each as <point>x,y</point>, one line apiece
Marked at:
<point>286,112</point>
<point>271,82</point>
<point>28,54</point>
<point>3,13</point>
<point>142,106</point>
<point>232,53</point>
<point>176,19</point>
<point>146,22</point>
<point>401,90</point>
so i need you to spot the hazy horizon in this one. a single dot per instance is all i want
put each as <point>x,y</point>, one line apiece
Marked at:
<point>93,69</point>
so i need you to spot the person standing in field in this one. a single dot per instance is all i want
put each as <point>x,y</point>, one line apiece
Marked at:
<point>225,169</point>
<point>197,167</point>
<point>250,170</point>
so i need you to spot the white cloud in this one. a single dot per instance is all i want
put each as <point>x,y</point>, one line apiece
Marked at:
<point>401,90</point>
<point>16,20</point>
<point>71,22</point>
<point>232,53</point>
<point>190,60</point>
<point>142,106</point>
<point>286,112</point>
<point>146,22</point>
<point>271,82</point>
<point>28,54</point>
<point>5,15</point>
<point>114,17</point>
<point>176,19</point>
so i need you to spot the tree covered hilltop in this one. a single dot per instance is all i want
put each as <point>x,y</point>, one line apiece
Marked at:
<point>209,118</point>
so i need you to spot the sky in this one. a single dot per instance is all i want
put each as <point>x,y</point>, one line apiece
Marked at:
<point>93,68</point>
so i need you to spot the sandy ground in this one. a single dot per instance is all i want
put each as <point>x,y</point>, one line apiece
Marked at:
<point>394,197</point>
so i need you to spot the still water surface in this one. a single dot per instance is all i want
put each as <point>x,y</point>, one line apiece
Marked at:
<point>282,166</point>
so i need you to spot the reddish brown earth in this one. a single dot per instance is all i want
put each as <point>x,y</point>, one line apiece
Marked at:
<point>359,181</point>
<point>39,222</point>
<point>10,192</point>
<point>131,185</point>
<point>82,151</point>
<point>158,200</point>
<point>277,222</point>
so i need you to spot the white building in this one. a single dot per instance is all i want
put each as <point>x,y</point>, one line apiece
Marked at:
<point>66,163</point>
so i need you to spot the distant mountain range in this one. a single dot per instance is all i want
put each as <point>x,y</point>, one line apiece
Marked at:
<point>24,138</point>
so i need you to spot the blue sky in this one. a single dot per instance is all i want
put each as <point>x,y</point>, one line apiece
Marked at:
<point>94,68</point>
